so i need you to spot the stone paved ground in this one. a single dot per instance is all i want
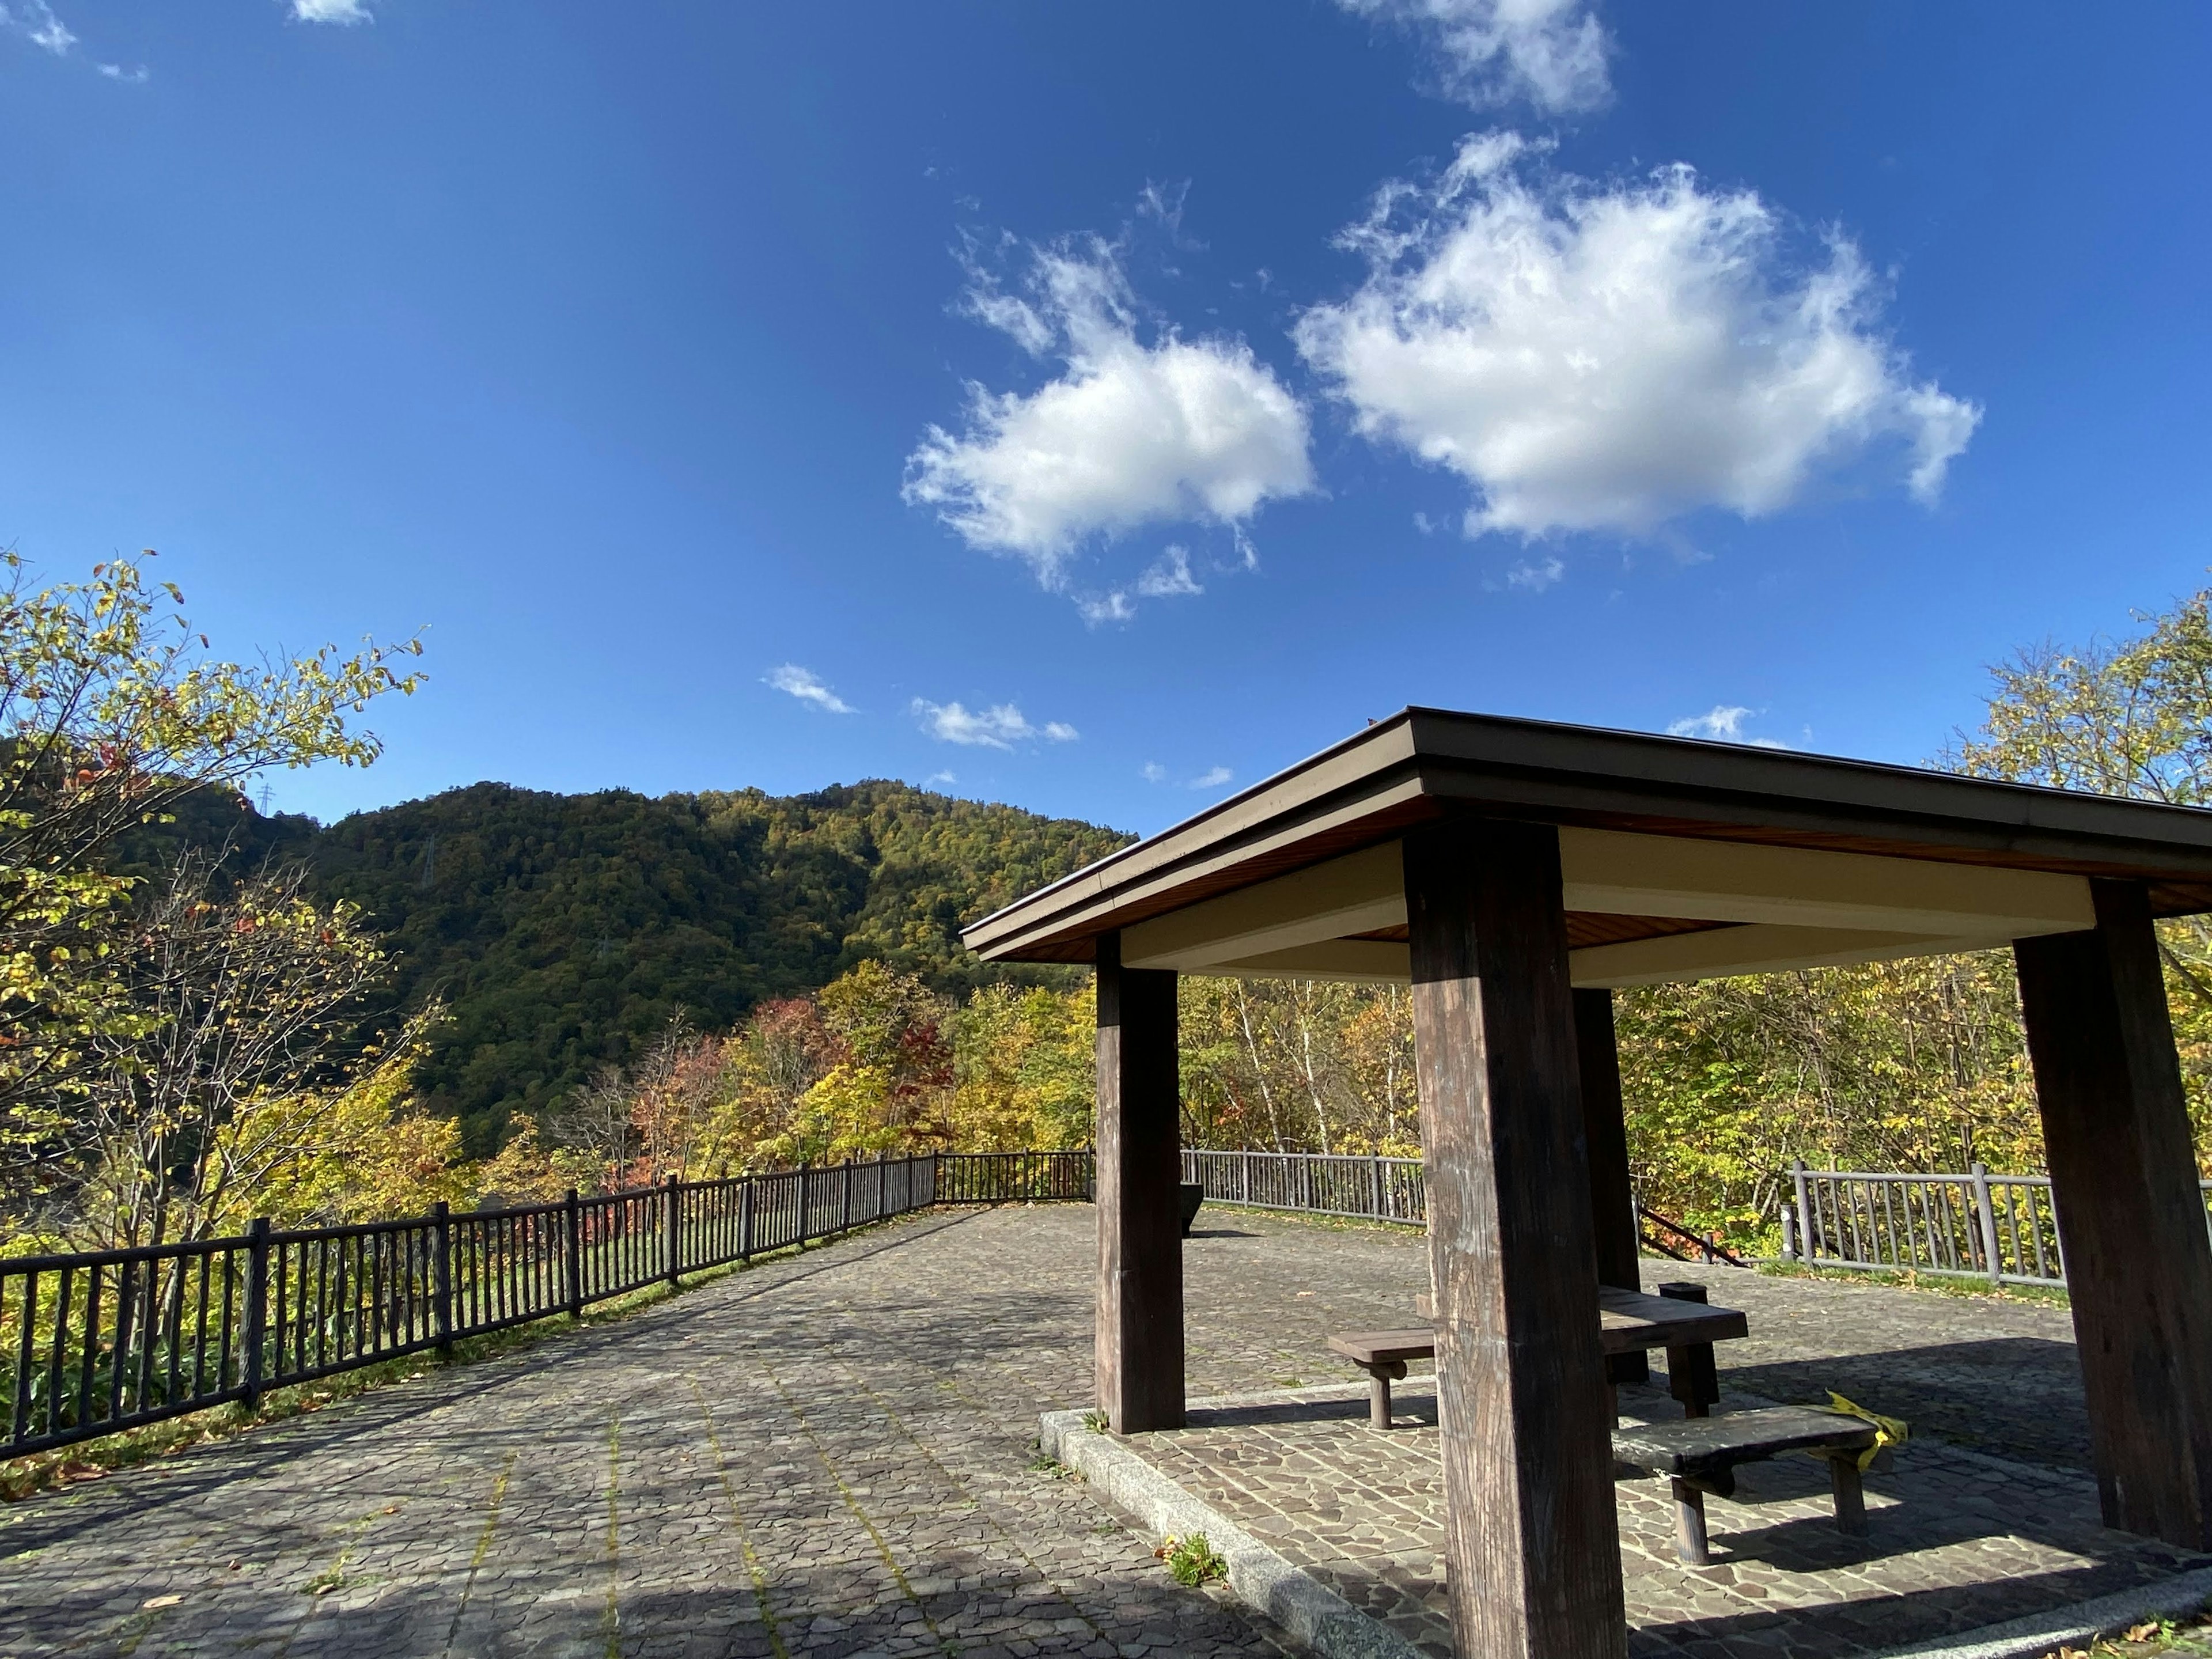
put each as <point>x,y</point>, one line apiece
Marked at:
<point>829,1455</point>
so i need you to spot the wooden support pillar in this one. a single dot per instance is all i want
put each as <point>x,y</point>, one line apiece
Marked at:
<point>1140,1197</point>
<point>1531,1555</point>
<point>1605,1143</point>
<point>2131,1217</point>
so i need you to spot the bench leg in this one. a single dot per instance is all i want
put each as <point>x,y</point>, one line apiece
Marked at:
<point>1379,1379</point>
<point>1690,1525</point>
<point>1850,1495</point>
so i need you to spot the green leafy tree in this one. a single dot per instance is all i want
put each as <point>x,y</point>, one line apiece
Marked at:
<point>113,712</point>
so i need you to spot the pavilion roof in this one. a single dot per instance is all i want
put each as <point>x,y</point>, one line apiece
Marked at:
<point>1683,859</point>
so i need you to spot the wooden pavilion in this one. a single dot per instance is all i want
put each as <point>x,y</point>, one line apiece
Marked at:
<point>1513,873</point>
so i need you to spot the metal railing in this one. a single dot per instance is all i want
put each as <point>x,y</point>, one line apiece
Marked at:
<point>1366,1189</point>
<point>104,1340</point>
<point>2000,1228</point>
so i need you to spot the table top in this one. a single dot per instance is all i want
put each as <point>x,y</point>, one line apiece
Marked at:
<point>1628,1321</point>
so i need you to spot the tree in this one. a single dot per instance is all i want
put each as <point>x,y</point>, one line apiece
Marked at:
<point>112,713</point>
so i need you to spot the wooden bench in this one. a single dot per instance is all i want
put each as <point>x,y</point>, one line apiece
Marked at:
<point>1678,1320</point>
<point>1701,1455</point>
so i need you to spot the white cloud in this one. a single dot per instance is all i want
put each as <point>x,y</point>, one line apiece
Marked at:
<point>1608,357</point>
<point>330,11</point>
<point>1128,434</point>
<point>1168,576</point>
<point>1552,52</point>
<point>1112,606</point>
<point>806,686</point>
<point>1212,779</point>
<point>942,777</point>
<point>1153,772</point>
<point>1000,726</point>
<point>35,21</point>
<point>1722,723</point>
<point>1534,577</point>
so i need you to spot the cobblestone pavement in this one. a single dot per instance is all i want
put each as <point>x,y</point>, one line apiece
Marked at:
<point>829,1455</point>
<point>1958,1538</point>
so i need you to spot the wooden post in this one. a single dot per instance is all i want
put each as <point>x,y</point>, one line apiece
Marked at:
<point>441,1274</point>
<point>1531,1551</point>
<point>671,1230</point>
<point>1986,1216</point>
<point>2130,1216</point>
<point>255,1335</point>
<point>1139,1340</point>
<point>1804,1213</point>
<point>574,1215</point>
<point>745,1220</point>
<point>1605,1137</point>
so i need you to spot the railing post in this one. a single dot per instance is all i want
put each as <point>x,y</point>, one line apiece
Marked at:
<point>1244,1172</point>
<point>674,1227</point>
<point>845,1204</point>
<point>256,1307</point>
<point>746,1221</point>
<point>574,1252</point>
<point>805,1221</point>
<point>1374,1186</point>
<point>441,1273</point>
<point>1789,1230</point>
<point>1804,1214</point>
<point>1989,1219</point>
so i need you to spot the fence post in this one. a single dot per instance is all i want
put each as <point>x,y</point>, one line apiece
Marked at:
<point>1804,1227</point>
<point>257,1306</point>
<point>441,1273</point>
<point>746,1221</point>
<point>1374,1185</point>
<point>1244,1172</point>
<point>845,1204</point>
<point>1989,1219</point>
<point>574,1252</point>
<point>674,1227</point>
<point>1789,1230</point>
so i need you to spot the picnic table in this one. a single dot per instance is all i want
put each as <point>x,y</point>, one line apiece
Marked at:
<point>1678,1319</point>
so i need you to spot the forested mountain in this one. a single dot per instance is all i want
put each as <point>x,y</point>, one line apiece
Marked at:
<point>564,932</point>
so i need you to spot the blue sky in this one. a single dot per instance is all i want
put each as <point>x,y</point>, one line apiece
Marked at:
<point>692,373</point>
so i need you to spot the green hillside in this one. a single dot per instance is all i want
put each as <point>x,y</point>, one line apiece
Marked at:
<point>564,931</point>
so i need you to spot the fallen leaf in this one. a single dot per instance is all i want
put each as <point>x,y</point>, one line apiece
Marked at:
<point>162,1602</point>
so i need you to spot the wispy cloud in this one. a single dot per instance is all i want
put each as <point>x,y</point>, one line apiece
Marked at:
<point>1213,778</point>
<point>1168,576</point>
<point>1551,52</point>
<point>343,12</point>
<point>1133,430</point>
<point>1153,772</point>
<point>35,19</point>
<point>1722,723</point>
<point>803,685</point>
<point>1609,357</point>
<point>999,727</point>
<point>1112,605</point>
<point>1534,578</point>
<point>942,777</point>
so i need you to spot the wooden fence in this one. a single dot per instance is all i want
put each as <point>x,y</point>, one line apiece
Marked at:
<point>1322,1183</point>
<point>105,1340</point>
<point>2003,1229</point>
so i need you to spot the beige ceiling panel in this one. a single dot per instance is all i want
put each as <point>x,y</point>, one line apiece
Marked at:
<point>1634,875</point>
<point>1750,949</point>
<point>1356,894</point>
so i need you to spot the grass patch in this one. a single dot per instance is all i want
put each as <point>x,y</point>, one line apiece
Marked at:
<point>1096,1423</point>
<point>1978,1290</point>
<point>92,1460</point>
<point>1191,1561</point>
